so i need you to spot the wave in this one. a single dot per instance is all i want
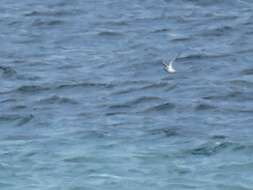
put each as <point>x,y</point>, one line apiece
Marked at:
<point>19,120</point>
<point>161,108</point>
<point>204,106</point>
<point>109,33</point>
<point>47,22</point>
<point>57,100</point>
<point>7,71</point>
<point>210,149</point>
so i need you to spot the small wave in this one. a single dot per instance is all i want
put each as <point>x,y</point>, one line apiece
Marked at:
<point>164,131</point>
<point>158,85</point>
<point>210,149</point>
<point>109,33</point>
<point>57,100</point>
<point>161,108</point>
<point>85,84</point>
<point>8,100</point>
<point>25,120</point>
<point>181,39</point>
<point>247,72</point>
<point>126,91</point>
<point>31,89</point>
<point>55,13</point>
<point>221,31</point>
<point>119,106</point>
<point>144,99</point>
<point>161,30</point>
<point>47,23</point>
<point>7,71</point>
<point>18,119</point>
<point>38,88</point>
<point>203,106</point>
<point>19,107</point>
<point>116,113</point>
<point>77,159</point>
<point>202,56</point>
<point>118,23</point>
<point>220,137</point>
<point>235,95</point>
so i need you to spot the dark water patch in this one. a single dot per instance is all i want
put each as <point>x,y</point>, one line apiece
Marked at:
<point>9,100</point>
<point>14,23</point>
<point>234,110</point>
<point>109,34</point>
<point>231,96</point>
<point>218,137</point>
<point>31,89</point>
<point>41,23</point>
<point>118,23</point>
<point>222,17</point>
<point>116,113</point>
<point>126,91</point>
<point>57,100</point>
<point>209,3</point>
<point>221,31</point>
<point>168,132</point>
<point>204,107</point>
<point>247,72</point>
<point>28,78</point>
<point>143,100</point>
<point>181,39</point>
<point>85,85</point>
<point>162,30</point>
<point>96,134</point>
<point>7,71</point>
<point>78,159</point>
<point>18,120</point>
<point>210,149</point>
<point>246,50</point>
<point>201,56</point>
<point>53,13</point>
<point>25,120</point>
<point>157,86</point>
<point>119,106</point>
<point>161,108</point>
<point>5,118</point>
<point>19,107</point>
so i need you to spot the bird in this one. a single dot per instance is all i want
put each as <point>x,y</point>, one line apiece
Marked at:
<point>169,67</point>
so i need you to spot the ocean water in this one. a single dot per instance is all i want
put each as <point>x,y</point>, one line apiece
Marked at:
<point>86,104</point>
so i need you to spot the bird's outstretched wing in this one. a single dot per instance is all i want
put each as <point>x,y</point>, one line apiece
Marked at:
<point>174,58</point>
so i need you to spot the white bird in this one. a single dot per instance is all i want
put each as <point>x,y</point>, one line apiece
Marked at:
<point>168,67</point>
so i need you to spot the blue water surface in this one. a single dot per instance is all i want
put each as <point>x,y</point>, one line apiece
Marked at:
<point>86,104</point>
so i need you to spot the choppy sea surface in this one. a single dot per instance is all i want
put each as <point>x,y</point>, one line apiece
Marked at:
<point>86,104</point>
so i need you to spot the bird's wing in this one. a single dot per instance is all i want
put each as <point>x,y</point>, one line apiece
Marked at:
<point>174,58</point>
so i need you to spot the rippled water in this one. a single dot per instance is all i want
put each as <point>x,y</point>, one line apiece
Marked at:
<point>86,103</point>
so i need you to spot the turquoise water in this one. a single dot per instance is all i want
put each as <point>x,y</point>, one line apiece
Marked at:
<point>86,104</point>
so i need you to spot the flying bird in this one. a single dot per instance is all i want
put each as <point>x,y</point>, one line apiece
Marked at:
<point>168,66</point>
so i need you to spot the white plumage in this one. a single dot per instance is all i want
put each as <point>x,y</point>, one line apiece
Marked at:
<point>169,67</point>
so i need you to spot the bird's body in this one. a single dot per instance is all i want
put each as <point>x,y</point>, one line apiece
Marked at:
<point>169,67</point>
